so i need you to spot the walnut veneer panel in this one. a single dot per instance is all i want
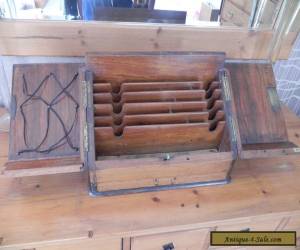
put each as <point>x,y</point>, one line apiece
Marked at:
<point>259,114</point>
<point>44,115</point>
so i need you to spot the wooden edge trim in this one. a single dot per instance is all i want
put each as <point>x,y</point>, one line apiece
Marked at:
<point>39,164</point>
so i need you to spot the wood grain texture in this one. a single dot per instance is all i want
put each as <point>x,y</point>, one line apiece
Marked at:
<point>154,103</point>
<point>158,107</point>
<point>185,167</point>
<point>43,166</point>
<point>65,38</point>
<point>153,81</point>
<point>45,101</point>
<point>50,210</point>
<point>151,96</point>
<point>259,120</point>
<point>144,139</point>
<point>158,118</point>
<point>155,66</point>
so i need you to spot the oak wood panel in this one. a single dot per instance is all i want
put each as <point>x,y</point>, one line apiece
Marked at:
<point>163,66</point>
<point>158,107</point>
<point>260,119</point>
<point>149,119</point>
<point>144,139</point>
<point>39,210</point>
<point>148,86</point>
<point>185,167</point>
<point>151,96</point>
<point>159,118</point>
<point>44,119</point>
<point>102,87</point>
<point>35,109</point>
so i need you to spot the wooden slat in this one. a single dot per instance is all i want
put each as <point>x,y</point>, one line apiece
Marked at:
<point>160,86</point>
<point>152,108</point>
<point>150,96</point>
<point>148,119</point>
<point>101,98</point>
<point>159,107</point>
<point>102,87</point>
<point>164,96</point>
<point>103,109</point>
<point>149,86</point>
<point>157,138</point>
<point>75,38</point>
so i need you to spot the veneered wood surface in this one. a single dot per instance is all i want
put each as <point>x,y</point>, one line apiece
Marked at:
<point>116,68</point>
<point>152,96</point>
<point>151,86</point>
<point>157,107</point>
<point>114,173</point>
<point>37,126</point>
<point>48,210</point>
<point>33,167</point>
<point>258,120</point>
<point>158,138</point>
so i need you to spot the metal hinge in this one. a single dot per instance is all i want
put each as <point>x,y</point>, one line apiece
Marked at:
<point>85,94</point>
<point>226,86</point>
<point>233,128</point>
<point>85,138</point>
<point>227,96</point>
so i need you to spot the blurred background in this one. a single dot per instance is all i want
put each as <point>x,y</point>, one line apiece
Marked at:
<point>152,11</point>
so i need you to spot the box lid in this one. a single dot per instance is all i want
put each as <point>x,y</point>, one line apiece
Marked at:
<point>44,129</point>
<point>260,122</point>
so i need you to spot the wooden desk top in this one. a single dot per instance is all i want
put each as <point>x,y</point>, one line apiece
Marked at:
<point>58,208</point>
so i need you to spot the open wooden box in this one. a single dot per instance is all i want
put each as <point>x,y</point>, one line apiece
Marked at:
<point>156,121</point>
<point>148,121</point>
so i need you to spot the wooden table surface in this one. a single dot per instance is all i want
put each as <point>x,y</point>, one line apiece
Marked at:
<point>57,209</point>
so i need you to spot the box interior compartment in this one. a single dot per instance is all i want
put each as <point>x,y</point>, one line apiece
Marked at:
<point>139,112</point>
<point>156,110</point>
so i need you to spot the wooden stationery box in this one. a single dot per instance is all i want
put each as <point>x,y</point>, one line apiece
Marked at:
<point>156,121</point>
<point>148,121</point>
